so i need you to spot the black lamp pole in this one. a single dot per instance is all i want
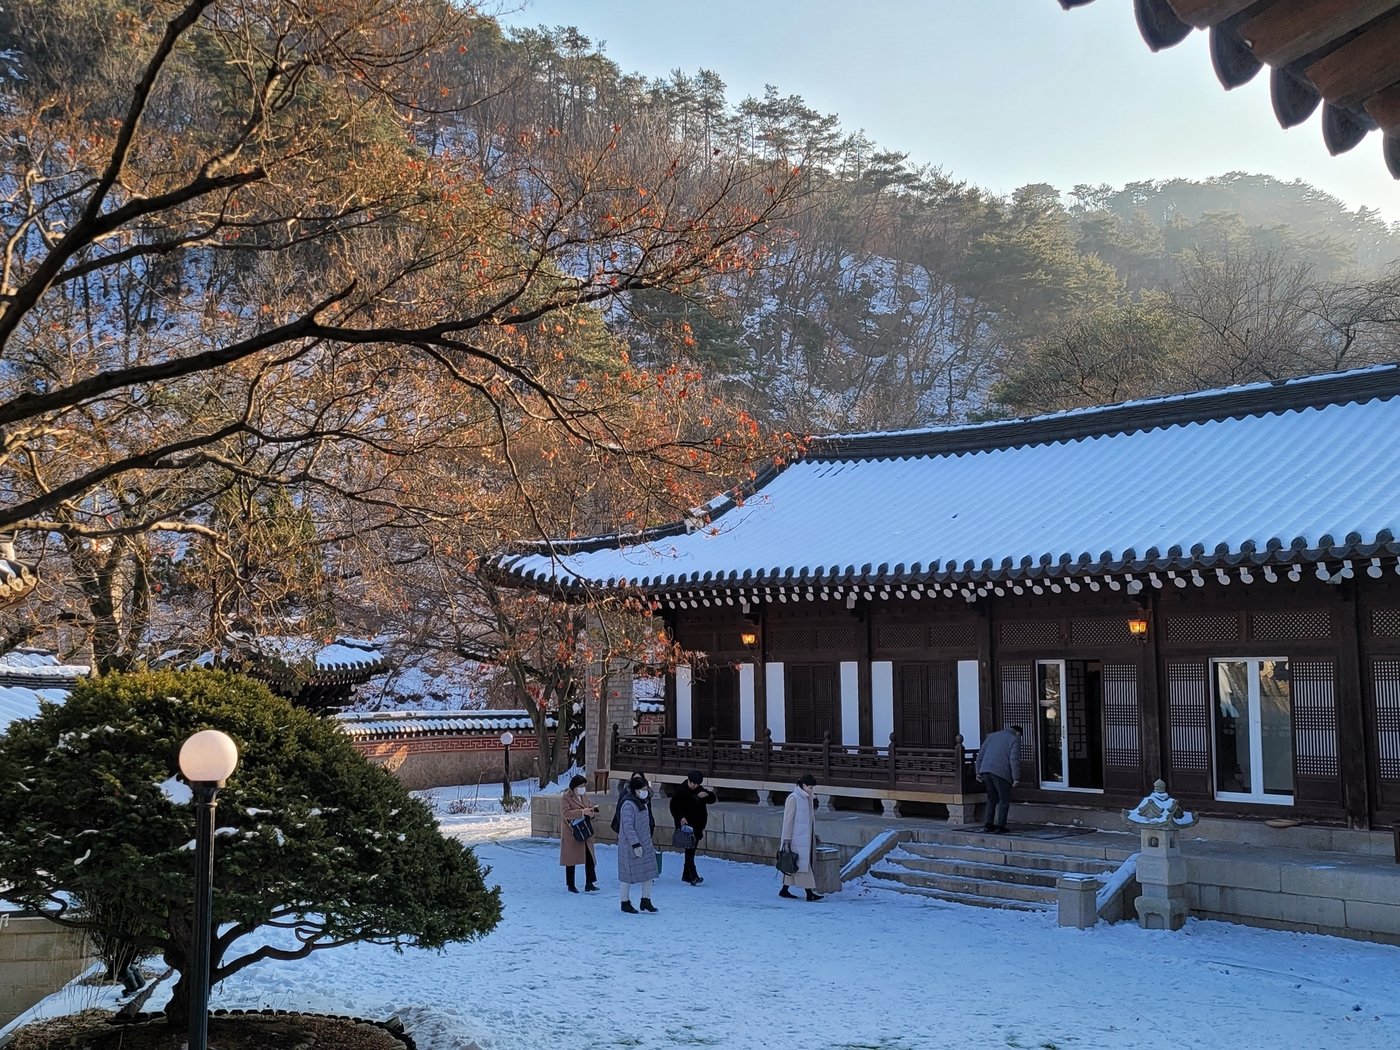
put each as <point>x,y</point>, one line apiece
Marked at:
<point>207,759</point>
<point>202,932</point>
<point>507,738</point>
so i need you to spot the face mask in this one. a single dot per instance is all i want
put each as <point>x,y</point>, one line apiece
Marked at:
<point>580,791</point>
<point>643,794</point>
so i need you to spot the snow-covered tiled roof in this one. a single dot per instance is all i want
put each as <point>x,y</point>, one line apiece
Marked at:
<point>648,707</point>
<point>1270,473</point>
<point>23,666</point>
<point>348,654</point>
<point>414,723</point>
<point>18,701</point>
<point>344,656</point>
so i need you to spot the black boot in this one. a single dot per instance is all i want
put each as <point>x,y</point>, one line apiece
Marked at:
<point>785,892</point>
<point>591,887</point>
<point>627,907</point>
<point>647,905</point>
<point>569,878</point>
<point>813,895</point>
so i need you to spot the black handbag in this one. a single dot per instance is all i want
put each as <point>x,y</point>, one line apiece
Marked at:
<point>582,827</point>
<point>787,862</point>
<point>683,838</point>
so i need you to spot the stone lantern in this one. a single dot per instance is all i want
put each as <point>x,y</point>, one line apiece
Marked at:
<point>1161,869</point>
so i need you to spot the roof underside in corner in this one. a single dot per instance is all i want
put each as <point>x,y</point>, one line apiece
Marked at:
<point>1303,471</point>
<point>1341,54</point>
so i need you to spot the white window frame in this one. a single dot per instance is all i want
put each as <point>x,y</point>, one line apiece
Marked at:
<point>1256,732</point>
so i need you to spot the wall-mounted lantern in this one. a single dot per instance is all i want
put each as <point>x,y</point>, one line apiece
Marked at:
<point>749,637</point>
<point>1137,626</point>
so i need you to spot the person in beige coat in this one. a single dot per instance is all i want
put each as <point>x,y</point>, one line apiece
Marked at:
<point>572,852</point>
<point>800,836</point>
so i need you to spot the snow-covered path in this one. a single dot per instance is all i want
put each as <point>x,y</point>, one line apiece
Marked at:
<point>863,969</point>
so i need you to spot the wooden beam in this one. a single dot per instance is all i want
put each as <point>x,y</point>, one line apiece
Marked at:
<point>1286,32</point>
<point>1364,65</point>
<point>1205,13</point>
<point>1384,107</point>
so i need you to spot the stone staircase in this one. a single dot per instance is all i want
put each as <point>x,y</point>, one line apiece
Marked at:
<point>1014,871</point>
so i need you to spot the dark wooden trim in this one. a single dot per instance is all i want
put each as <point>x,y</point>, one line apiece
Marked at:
<point>988,682</point>
<point>1352,748</point>
<point>1152,702</point>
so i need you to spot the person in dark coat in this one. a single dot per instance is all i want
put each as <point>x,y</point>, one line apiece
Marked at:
<point>689,810</point>
<point>636,854</point>
<point>572,852</point>
<point>999,770</point>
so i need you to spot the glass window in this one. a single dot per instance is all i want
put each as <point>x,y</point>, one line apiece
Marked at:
<point>1253,730</point>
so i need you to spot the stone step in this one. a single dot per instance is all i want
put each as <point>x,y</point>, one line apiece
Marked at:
<point>969,899</point>
<point>968,887</point>
<point>1009,858</point>
<point>1116,852</point>
<point>991,871</point>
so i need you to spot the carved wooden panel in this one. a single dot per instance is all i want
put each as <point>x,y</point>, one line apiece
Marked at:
<point>1188,716</point>
<point>1122,733</point>
<point>1291,625</point>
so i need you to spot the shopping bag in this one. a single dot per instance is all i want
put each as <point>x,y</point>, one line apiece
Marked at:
<point>683,838</point>
<point>658,862</point>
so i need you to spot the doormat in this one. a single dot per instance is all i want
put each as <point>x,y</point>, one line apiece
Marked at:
<point>1055,832</point>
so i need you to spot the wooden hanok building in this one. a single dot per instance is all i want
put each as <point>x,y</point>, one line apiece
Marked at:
<point>1202,588</point>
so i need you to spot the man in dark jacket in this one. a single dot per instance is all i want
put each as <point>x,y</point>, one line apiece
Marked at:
<point>688,809</point>
<point>999,769</point>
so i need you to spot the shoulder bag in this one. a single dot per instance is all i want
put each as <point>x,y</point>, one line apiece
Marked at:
<point>786,862</point>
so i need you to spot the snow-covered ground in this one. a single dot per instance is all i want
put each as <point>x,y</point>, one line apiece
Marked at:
<point>730,964</point>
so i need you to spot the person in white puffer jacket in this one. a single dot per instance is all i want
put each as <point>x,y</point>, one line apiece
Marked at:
<point>636,854</point>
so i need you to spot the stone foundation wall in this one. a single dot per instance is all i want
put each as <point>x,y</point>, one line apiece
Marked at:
<point>37,958</point>
<point>1357,900</point>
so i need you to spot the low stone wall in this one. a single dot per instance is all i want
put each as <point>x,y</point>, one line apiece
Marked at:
<point>1354,896</point>
<point>37,958</point>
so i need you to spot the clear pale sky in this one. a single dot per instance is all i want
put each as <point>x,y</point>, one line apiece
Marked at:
<point>997,92</point>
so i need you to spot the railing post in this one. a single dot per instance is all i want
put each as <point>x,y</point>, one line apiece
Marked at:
<point>961,756</point>
<point>767,754</point>
<point>826,757</point>
<point>710,764</point>
<point>612,748</point>
<point>894,779</point>
<point>660,749</point>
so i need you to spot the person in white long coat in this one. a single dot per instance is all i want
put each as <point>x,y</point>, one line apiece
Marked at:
<point>636,855</point>
<point>800,836</point>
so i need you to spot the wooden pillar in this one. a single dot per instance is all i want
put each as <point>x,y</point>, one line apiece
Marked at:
<point>1152,714</point>
<point>1351,714</point>
<point>867,715</point>
<point>990,702</point>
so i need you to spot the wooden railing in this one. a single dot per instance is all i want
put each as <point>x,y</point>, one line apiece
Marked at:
<point>947,770</point>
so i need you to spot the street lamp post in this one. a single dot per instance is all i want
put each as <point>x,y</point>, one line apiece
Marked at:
<point>507,738</point>
<point>207,759</point>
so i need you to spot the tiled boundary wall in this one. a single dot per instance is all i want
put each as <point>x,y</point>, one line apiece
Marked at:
<point>441,759</point>
<point>37,958</point>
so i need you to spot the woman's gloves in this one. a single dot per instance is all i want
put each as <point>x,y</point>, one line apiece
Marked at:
<point>637,850</point>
